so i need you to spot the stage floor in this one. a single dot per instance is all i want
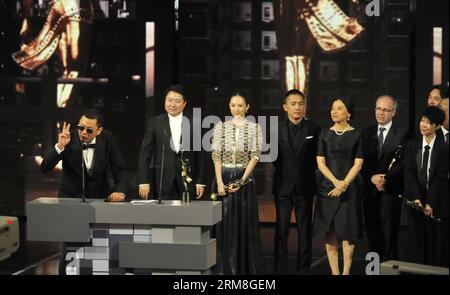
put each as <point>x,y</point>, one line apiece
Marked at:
<point>41,258</point>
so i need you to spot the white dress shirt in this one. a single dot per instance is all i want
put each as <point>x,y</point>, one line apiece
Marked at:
<point>88,154</point>
<point>445,131</point>
<point>175,129</point>
<point>387,127</point>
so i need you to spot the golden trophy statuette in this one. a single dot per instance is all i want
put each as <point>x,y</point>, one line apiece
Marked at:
<point>186,180</point>
<point>231,185</point>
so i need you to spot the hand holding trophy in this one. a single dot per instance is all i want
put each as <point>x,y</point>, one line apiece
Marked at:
<point>231,187</point>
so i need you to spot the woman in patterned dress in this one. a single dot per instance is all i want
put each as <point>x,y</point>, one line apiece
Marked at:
<point>236,147</point>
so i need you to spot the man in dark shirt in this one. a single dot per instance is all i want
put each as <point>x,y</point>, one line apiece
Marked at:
<point>294,183</point>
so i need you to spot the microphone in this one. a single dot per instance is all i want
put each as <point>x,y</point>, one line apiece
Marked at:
<point>83,185</point>
<point>162,172</point>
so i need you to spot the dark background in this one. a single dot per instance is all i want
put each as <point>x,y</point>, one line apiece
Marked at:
<point>196,46</point>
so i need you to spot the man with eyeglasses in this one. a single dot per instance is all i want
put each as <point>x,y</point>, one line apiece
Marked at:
<point>102,160</point>
<point>382,186</point>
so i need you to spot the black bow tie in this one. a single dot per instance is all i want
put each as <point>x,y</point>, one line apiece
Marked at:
<point>88,146</point>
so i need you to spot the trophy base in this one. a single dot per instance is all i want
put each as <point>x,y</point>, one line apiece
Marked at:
<point>186,198</point>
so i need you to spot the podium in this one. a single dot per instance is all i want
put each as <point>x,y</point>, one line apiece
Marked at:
<point>125,238</point>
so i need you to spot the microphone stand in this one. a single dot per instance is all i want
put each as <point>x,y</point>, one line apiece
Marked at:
<point>83,197</point>
<point>161,176</point>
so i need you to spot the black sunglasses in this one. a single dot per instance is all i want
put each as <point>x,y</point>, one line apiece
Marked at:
<point>88,130</point>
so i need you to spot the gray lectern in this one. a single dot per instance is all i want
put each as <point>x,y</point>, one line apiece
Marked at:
<point>121,238</point>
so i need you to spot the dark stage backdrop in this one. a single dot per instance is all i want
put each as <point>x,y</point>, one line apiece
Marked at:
<point>212,47</point>
<point>125,62</point>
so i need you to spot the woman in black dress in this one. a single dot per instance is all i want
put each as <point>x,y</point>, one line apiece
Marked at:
<point>337,215</point>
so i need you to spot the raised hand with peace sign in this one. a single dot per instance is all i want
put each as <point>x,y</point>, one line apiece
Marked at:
<point>64,136</point>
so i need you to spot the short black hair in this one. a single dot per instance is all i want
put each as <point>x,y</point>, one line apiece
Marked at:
<point>178,89</point>
<point>349,105</point>
<point>434,114</point>
<point>293,91</point>
<point>93,114</point>
<point>443,90</point>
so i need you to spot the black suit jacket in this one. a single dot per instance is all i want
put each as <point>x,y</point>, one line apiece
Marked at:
<point>440,134</point>
<point>379,164</point>
<point>108,168</point>
<point>437,193</point>
<point>295,168</point>
<point>158,137</point>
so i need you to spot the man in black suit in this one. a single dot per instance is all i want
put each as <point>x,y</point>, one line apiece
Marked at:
<point>93,149</point>
<point>170,134</point>
<point>104,168</point>
<point>294,183</point>
<point>435,97</point>
<point>444,127</point>
<point>382,187</point>
<point>426,176</point>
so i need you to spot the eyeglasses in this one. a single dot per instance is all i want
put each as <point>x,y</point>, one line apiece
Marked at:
<point>383,110</point>
<point>88,130</point>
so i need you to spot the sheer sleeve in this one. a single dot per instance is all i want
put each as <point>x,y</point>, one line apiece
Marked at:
<point>216,147</point>
<point>256,143</point>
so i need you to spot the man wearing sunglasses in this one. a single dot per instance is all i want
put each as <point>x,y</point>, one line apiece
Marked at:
<point>102,161</point>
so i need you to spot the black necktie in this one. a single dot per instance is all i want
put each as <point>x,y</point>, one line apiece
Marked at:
<point>88,146</point>
<point>380,140</point>
<point>446,138</point>
<point>424,169</point>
